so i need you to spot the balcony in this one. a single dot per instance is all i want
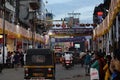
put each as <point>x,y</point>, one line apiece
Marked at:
<point>34,4</point>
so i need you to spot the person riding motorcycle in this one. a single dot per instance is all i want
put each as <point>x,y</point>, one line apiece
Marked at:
<point>67,57</point>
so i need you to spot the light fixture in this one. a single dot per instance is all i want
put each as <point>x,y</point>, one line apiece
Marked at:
<point>1,36</point>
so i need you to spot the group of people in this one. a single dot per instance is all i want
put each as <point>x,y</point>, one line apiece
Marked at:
<point>108,66</point>
<point>13,59</point>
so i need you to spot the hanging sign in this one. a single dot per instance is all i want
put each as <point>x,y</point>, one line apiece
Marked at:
<point>75,39</point>
<point>73,31</point>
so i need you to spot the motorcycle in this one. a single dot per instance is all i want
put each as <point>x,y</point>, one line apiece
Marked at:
<point>68,64</point>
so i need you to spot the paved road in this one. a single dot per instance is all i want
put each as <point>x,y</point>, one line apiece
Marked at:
<point>75,73</point>
<point>12,74</point>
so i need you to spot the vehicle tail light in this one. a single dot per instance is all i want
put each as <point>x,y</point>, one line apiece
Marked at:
<point>26,71</point>
<point>49,70</point>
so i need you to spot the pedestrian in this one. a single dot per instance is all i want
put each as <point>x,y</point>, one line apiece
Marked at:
<point>12,59</point>
<point>25,53</point>
<point>1,62</point>
<point>87,63</point>
<point>106,68</point>
<point>99,63</point>
<point>21,59</point>
<point>115,65</point>
<point>8,60</point>
<point>82,58</point>
<point>16,59</point>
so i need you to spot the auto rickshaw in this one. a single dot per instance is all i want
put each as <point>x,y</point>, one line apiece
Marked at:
<point>40,65</point>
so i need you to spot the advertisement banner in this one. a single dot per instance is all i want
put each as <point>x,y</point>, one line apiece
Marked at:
<point>73,31</point>
<point>75,39</point>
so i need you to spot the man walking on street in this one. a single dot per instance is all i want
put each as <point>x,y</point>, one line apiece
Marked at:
<point>87,63</point>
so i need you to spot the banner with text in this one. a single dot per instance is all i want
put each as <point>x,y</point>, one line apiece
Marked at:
<point>75,39</point>
<point>73,31</point>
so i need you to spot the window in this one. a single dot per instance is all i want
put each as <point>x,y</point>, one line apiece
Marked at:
<point>38,59</point>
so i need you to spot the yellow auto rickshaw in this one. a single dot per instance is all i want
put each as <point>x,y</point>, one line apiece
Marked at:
<point>40,64</point>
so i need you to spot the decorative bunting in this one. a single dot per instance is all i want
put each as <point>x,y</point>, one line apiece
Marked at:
<point>64,25</point>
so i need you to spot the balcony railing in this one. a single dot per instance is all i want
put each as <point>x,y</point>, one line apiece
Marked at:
<point>19,32</point>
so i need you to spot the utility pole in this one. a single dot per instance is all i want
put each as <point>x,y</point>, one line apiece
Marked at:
<point>34,5</point>
<point>4,33</point>
<point>33,30</point>
<point>17,11</point>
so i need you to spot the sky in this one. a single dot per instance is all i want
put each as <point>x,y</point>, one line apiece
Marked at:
<point>61,8</point>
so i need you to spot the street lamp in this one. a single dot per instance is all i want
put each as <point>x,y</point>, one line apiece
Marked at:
<point>34,29</point>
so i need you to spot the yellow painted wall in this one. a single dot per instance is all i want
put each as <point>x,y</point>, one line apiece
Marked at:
<point>10,44</point>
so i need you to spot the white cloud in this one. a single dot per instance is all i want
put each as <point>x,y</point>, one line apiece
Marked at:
<point>86,10</point>
<point>51,2</point>
<point>86,13</point>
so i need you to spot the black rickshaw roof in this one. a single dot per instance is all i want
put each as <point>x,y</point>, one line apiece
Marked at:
<point>39,51</point>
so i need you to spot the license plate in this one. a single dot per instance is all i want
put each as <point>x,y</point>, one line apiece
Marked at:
<point>67,64</point>
<point>49,75</point>
<point>38,78</point>
<point>38,74</point>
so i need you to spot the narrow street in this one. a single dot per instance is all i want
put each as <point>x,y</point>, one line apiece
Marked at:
<point>12,74</point>
<point>59,27</point>
<point>74,73</point>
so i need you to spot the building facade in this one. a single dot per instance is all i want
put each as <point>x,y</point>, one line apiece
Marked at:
<point>18,24</point>
<point>107,33</point>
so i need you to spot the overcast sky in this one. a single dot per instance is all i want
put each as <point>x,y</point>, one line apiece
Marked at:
<point>61,8</point>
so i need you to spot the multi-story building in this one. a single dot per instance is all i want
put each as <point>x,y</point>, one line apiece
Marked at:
<point>25,13</point>
<point>101,11</point>
<point>72,21</point>
<point>107,33</point>
<point>9,10</point>
<point>49,20</point>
